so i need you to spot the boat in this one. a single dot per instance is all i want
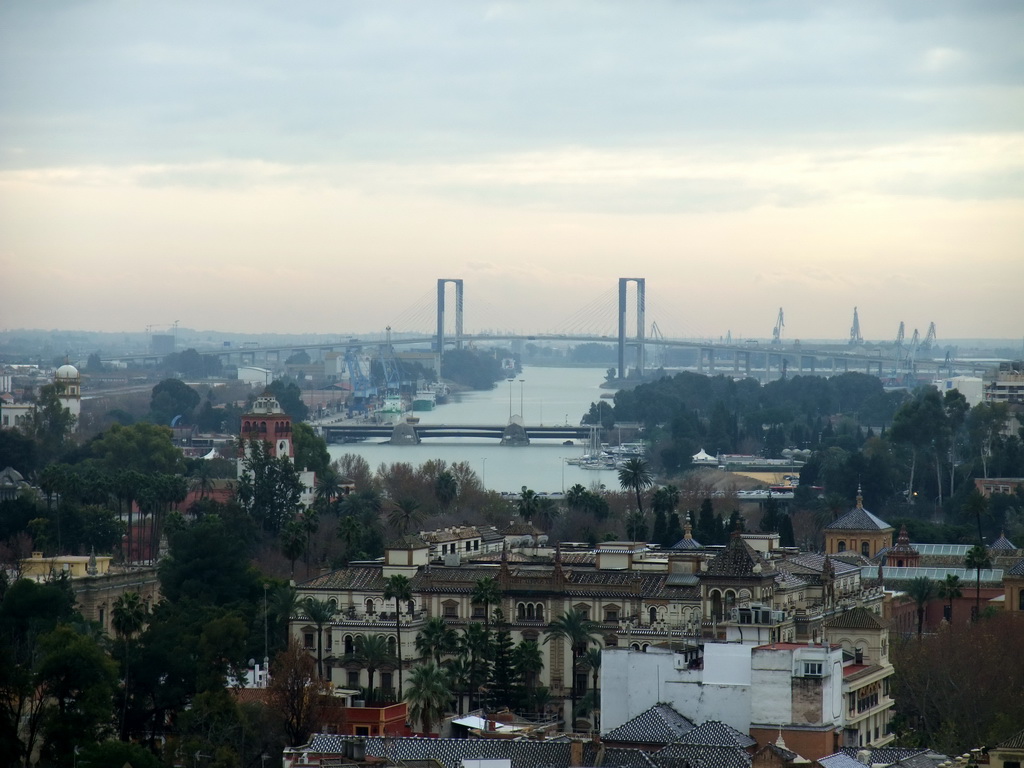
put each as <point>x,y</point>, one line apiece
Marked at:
<point>441,392</point>
<point>392,411</point>
<point>424,400</point>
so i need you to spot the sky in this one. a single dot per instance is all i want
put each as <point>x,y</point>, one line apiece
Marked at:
<point>315,167</point>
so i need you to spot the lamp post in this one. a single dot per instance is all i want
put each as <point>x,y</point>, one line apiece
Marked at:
<point>562,460</point>
<point>510,399</point>
<point>483,476</point>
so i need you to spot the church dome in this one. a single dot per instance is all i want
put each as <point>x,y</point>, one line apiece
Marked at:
<point>67,372</point>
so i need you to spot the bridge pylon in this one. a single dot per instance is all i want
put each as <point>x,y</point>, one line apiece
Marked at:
<point>441,284</point>
<point>640,312</point>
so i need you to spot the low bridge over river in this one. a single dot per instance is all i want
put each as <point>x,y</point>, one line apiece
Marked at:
<point>405,433</point>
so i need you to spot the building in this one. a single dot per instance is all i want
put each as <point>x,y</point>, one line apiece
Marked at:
<point>1008,754</point>
<point>858,531</point>
<point>1008,385</point>
<point>268,423</point>
<point>1013,586</point>
<point>69,390</point>
<point>971,387</point>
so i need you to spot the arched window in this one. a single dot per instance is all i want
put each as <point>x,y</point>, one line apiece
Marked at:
<point>1020,600</point>
<point>521,612</point>
<point>369,605</point>
<point>865,549</point>
<point>263,426</point>
<point>392,645</point>
<point>529,612</point>
<point>349,644</point>
<point>540,612</point>
<point>842,546</point>
<point>653,613</point>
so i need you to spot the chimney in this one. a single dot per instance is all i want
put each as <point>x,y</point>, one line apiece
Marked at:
<point>575,753</point>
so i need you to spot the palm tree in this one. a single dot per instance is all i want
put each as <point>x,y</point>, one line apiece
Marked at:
<point>350,531</point>
<point>950,589</point>
<point>486,592</point>
<point>636,525</point>
<point>319,612</point>
<point>475,644</point>
<point>592,661</point>
<point>128,617</point>
<point>328,488</point>
<point>547,513</point>
<point>309,519</point>
<point>576,497</point>
<point>202,479</point>
<point>977,558</point>
<point>293,542</point>
<point>635,475</point>
<point>372,653</point>
<point>399,589</point>
<point>436,639</point>
<point>529,663</point>
<point>446,489</point>
<point>579,632</point>
<point>527,504</point>
<point>977,507</point>
<point>429,694</point>
<point>405,514</point>
<point>283,605</point>
<point>460,674</point>
<point>921,591</point>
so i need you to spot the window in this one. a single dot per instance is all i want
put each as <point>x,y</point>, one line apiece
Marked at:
<point>307,641</point>
<point>865,549</point>
<point>842,546</point>
<point>450,610</point>
<point>468,543</point>
<point>349,645</point>
<point>353,678</point>
<point>476,546</point>
<point>1020,600</point>
<point>582,610</point>
<point>611,614</point>
<point>369,606</point>
<point>653,613</point>
<point>362,730</point>
<point>812,668</point>
<point>386,681</point>
<point>479,612</point>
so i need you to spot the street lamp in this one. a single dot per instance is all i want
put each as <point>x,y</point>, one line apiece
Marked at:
<point>483,477</point>
<point>266,643</point>
<point>521,387</point>
<point>562,460</point>
<point>510,399</point>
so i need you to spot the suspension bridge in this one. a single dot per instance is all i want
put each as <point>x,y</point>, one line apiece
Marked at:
<point>639,347</point>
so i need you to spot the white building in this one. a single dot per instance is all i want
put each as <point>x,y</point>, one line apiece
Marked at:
<point>971,387</point>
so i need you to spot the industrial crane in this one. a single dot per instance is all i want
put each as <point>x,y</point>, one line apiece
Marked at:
<point>855,337</point>
<point>929,339</point>
<point>777,331</point>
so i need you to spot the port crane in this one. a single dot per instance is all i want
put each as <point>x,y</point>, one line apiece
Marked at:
<point>777,331</point>
<point>855,336</point>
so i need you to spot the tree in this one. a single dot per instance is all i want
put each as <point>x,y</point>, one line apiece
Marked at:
<point>328,488</point>
<point>270,488</point>
<point>976,560</point>
<point>977,507</point>
<point>293,543</point>
<point>289,396</point>
<point>528,663</point>
<point>446,489</point>
<point>436,640</point>
<point>170,399</point>
<point>920,591</point>
<point>399,589</point>
<point>636,525</point>
<point>527,504</point>
<point>428,695</point>
<point>592,661</point>
<point>372,653</point>
<point>405,514</point>
<point>310,449</point>
<point>51,421</point>
<point>297,693</point>
<point>320,612</point>
<point>142,447</point>
<point>950,589</point>
<point>578,632</point>
<point>128,617</point>
<point>635,475</point>
<point>575,497</point>
<point>486,592</point>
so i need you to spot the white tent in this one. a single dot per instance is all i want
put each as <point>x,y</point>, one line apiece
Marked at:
<point>704,458</point>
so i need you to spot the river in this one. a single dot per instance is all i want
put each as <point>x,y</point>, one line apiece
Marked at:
<point>541,396</point>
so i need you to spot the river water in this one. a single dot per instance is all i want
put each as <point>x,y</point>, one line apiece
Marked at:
<point>540,396</point>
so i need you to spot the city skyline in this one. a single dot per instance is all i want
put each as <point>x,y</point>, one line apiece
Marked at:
<point>313,169</point>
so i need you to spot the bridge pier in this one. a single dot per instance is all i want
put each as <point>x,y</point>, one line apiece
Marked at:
<point>515,434</point>
<point>404,433</point>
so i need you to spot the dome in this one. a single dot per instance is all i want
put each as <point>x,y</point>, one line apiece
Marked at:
<point>67,372</point>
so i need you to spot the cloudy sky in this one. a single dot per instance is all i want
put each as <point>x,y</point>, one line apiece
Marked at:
<point>316,166</point>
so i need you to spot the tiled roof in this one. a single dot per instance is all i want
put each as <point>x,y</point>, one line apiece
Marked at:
<point>789,581</point>
<point>1003,543</point>
<point>520,528</point>
<point>1016,741</point>
<point>814,562</point>
<point>1017,569</point>
<point>858,519</point>
<point>353,577</point>
<point>409,541</point>
<point>685,543</point>
<point>839,760</point>
<point>857,618</point>
<point>450,753</point>
<point>714,733</point>
<point>886,755</point>
<point>702,756</point>
<point>739,560</point>
<point>660,724</point>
